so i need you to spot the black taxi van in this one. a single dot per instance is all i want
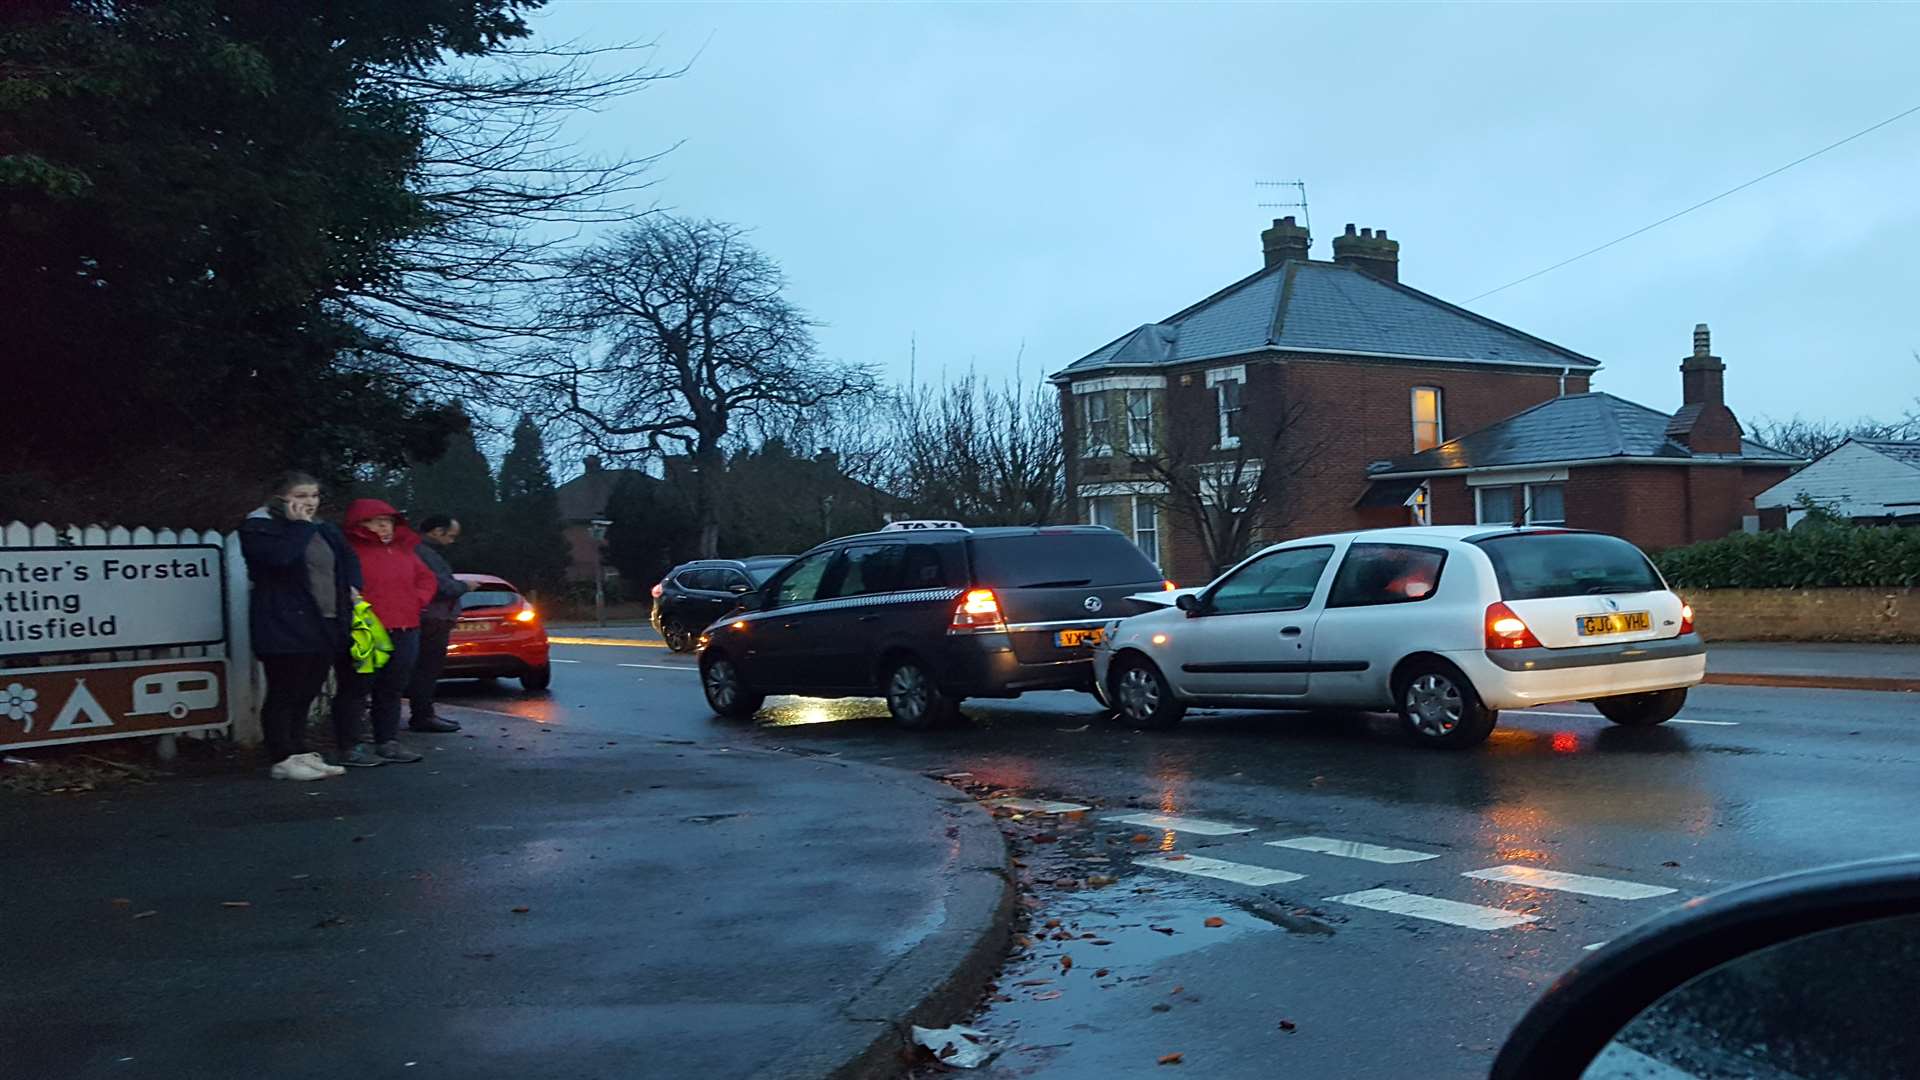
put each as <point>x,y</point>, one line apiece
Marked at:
<point>925,614</point>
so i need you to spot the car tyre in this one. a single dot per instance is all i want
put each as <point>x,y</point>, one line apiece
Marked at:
<point>538,678</point>
<point>1439,707</point>
<point>1642,710</point>
<point>678,638</point>
<point>728,694</point>
<point>1142,697</point>
<point>915,699</point>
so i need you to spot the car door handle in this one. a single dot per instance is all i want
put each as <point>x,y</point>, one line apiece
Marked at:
<point>1289,631</point>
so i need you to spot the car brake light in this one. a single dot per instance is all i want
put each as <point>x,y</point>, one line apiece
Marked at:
<point>1686,618</point>
<point>978,612</point>
<point>526,614</point>
<point>658,589</point>
<point>1505,630</point>
<point>1170,586</point>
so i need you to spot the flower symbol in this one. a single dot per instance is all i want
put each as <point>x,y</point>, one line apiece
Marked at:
<point>19,704</point>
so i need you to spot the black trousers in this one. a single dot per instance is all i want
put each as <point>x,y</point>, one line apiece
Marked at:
<point>383,688</point>
<point>293,680</point>
<point>434,636</point>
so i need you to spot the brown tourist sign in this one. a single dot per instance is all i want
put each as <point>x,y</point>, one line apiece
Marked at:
<point>48,706</point>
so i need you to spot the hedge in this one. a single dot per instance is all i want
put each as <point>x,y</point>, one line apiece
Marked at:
<point>1811,556</point>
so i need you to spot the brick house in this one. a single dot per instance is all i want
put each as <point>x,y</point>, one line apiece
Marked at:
<point>1316,396</point>
<point>583,500</point>
<point>1279,391</point>
<point>1595,461</point>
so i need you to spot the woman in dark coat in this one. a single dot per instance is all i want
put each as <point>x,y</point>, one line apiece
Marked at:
<point>305,578</point>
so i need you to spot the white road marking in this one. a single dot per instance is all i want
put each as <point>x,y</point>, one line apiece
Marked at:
<point>1239,873</point>
<point>1573,883</point>
<point>1471,916</point>
<point>1176,823</point>
<point>1039,806</point>
<point>557,660</point>
<point>1352,849</point>
<point>1597,716</point>
<point>666,667</point>
<point>1621,1062</point>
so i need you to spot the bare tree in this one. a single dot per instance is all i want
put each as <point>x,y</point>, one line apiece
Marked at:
<point>1223,484</point>
<point>1810,439</point>
<point>677,335</point>
<point>979,453</point>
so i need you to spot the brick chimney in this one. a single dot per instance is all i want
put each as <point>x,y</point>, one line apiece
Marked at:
<point>593,463</point>
<point>1370,251</point>
<point>1286,240</point>
<point>1704,424</point>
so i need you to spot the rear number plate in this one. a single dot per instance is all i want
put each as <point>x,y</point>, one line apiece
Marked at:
<point>473,627</point>
<point>1619,622</point>
<point>1068,639</point>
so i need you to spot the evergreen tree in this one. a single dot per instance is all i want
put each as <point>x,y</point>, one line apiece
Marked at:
<point>459,484</point>
<point>530,547</point>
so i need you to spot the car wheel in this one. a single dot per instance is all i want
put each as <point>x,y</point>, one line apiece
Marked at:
<point>1441,708</point>
<point>915,699</point>
<point>538,678</point>
<point>728,694</point>
<point>1141,696</point>
<point>678,638</point>
<point>1642,710</point>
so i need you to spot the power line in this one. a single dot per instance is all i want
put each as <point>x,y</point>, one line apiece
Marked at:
<point>1703,202</point>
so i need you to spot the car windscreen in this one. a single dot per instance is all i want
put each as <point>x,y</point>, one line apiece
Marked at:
<point>1059,560</point>
<point>760,572</point>
<point>489,598</point>
<point>1536,566</point>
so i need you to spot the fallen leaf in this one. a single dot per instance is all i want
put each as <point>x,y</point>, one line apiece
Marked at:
<point>1065,883</point>
<point>121,901</point>
<point>1171,1059</point>
<point>1101,941</point>
<point>1098,881</point>
<point>1023,941</point>
<point>1176,991</point>
<point>522,910</point>
<point>1033,982</point>
<point>1288,1025</point>
<point>145,914</point>
<point>1215,920</point>
<point>236,903</point>
<point>1141,838</point>
<point>1101,974</point>
<point>1167,930</point>
<point>1176,858</point>
<point>1062,935</point>
<point>1669,864</point>
<point>1066,963</point>
<point>1046,995</point>
<point>1162,1006</point>
<point>1053,924</point>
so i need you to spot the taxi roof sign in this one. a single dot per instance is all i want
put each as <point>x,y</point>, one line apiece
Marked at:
<point>920,526</point>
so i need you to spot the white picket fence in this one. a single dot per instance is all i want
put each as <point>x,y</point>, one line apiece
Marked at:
<point>244,678</point>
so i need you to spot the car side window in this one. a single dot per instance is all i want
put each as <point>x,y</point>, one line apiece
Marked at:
<point>1386,574</point>
<point>869,570</point>
<point>921,568</point>
<point>730,580</point>
<point>800,582</point>
<point>697,580</point>
<point>1283,581</point>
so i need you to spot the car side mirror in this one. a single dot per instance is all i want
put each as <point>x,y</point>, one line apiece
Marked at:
<point>1793,976</point>
<point>1189,603</point>
<point>739,588</point>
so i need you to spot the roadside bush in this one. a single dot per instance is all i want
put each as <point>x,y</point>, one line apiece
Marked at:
<point>1813,555</point>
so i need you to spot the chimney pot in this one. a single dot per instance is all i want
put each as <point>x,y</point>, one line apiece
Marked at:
<point>1350,228</point>
<point>1286,240</point>
<point>1702,340</point>
<point>1368,251</point>
<point>1366,234</point>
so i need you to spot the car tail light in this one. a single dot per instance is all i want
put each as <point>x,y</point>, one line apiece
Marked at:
<point>1686,618</point>
<point>526,614</point>
<point>658,589</point>
<point>1505,630</point>
<point>1170,586</point>
<point>977,613</point>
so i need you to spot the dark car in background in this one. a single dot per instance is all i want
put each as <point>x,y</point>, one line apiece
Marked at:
<point>926,614</point>
<point>693,595</point>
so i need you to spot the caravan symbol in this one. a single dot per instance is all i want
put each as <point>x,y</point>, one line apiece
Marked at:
<point>176,693</point>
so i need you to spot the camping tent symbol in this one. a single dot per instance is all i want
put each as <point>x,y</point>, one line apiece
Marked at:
<point>175,693</point>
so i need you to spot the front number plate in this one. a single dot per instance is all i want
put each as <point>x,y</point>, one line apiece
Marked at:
<point>1068,639</point>
<point>1618,622</point>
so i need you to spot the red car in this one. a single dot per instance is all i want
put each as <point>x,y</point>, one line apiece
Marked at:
<point>499,635</point>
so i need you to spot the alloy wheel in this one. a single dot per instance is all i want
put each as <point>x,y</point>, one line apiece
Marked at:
<point>907,692</point>
<point>723,684</point>
<point>1434,704</point>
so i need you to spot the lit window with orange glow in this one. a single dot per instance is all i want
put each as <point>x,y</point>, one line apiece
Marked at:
<point>1429,427</point>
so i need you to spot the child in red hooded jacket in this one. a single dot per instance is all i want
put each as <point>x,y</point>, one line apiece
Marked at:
<point>398,586</point>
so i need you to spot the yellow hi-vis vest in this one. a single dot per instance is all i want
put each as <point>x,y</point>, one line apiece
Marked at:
<point>372,646</point>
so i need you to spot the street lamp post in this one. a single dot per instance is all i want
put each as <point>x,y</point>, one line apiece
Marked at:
<point>599,530</point>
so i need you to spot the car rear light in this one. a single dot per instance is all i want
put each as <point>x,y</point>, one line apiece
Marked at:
<point>658,589</point>
<point>1505,630</point>
<point>977,613</point>
<point>1169,586</point>
<point>1686,618</point>
<point>526,614</point>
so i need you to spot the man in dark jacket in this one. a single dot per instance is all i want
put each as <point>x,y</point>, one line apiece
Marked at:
<point>436,623</point>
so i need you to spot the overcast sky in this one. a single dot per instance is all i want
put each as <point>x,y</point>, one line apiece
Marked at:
<point>981,176</point>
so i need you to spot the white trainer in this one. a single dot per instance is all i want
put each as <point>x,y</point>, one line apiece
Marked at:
<point>320,763</point>
<point>295,768</point>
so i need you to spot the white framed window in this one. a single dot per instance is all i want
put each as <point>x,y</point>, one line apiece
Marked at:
<point>1530,504</point>
<point>1140,422</point>
<point>1146,528</point>
<point>1228,386</point>
<point>1096,428</point>
<point>1429,422</point>
<point>1421,503</point>
<point>1105,510</point>
<point>1136,517</point>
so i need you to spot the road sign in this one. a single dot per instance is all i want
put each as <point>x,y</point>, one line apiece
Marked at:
<point>48,706</point>
<point>76,600</point>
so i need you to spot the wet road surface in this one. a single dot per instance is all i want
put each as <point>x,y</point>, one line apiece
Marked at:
<point>1306,895</point>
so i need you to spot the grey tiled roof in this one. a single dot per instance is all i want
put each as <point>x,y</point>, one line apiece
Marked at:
<point>1577,427</point>
<point>1324,307</point>
<point>1906,453</point>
